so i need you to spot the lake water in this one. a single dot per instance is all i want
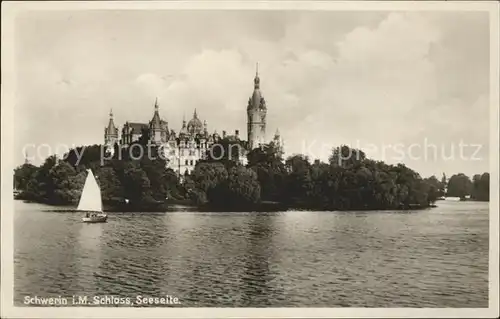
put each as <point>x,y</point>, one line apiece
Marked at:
<point>430,258</point>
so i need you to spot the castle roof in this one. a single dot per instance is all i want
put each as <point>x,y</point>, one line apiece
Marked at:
<point>111,129</point>
<point>156,121</point>
<point>136,127</point>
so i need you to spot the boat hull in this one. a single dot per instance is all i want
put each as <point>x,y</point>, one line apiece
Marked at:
<point>96,218</point>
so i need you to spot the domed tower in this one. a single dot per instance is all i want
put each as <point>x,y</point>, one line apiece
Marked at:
<point>256,112</point>
<point>110,132</point>
<point>195,126</point>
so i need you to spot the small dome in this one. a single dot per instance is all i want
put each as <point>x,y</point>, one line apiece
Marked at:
<point>195,126</point>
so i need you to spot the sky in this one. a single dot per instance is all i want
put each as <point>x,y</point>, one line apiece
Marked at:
<point>405,87</point>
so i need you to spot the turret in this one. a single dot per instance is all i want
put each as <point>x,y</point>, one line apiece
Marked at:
<point>256,115</point>
<point>156,126</point>
<point>183,130</point>
<point>110,132</point>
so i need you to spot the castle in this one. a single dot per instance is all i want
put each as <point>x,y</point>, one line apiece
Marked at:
<point>185,148</point>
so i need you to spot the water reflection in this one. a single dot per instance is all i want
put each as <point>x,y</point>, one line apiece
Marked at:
<point>255,283</point>
<point>132,256</point>
<point>89,244</point>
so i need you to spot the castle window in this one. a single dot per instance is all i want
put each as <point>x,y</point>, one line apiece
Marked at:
<point>172,152</point>
<point>186,162</point>
<point>191,162</point>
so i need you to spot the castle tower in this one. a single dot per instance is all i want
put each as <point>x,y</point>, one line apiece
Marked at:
<point>156,125</point>
<point>110,133</point>
<point>195,126</point>
<point>183,132</point>
<point>256,112</point>
<point>278,143</point>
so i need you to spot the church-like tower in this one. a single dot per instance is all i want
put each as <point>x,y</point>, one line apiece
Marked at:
<point>110,133</point>
<point>156,127</point>
<point>256,112</point>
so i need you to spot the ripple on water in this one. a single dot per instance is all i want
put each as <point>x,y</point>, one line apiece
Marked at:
<point>435,258</point>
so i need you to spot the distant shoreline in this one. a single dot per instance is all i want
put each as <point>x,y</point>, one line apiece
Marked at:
<point>186,205</point>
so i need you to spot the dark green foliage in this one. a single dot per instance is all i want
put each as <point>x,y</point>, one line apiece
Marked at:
<point>345,156</point>
<point>242,187</point>
<point>23,175</point>
<point>298,181</point>
<point>436,188</point>
<point>481,187</point>
<point>111,186</point>
<point>459,185</point>
<point>127,175</point>
<point>349,181</point>
<point>237,188</point>
<point>271,172</point>
<point>225,151</point>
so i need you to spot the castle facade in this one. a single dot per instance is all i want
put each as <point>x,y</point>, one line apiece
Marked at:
<point>183,149</point>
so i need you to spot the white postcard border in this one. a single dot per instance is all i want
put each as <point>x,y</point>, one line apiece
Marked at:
<point>10,9</point>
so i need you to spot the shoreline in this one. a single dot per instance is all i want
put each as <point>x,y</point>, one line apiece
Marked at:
<point>264,207</point>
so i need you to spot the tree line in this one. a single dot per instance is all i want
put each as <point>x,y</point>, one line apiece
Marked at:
<point>460,185</point>
<point>348,181</point>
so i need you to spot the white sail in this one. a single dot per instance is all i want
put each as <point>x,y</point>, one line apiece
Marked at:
<point>91,195</point>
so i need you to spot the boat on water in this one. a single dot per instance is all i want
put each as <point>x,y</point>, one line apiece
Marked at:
<point>91,202</point>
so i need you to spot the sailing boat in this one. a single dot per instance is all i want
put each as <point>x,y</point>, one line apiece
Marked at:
<point>90,201</point>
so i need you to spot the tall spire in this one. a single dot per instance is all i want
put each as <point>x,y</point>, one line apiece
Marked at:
<point>256,80</point>
<point>26,160</point>
<point>156,121</point>
<point>111,124</point>
<point>195,115</point>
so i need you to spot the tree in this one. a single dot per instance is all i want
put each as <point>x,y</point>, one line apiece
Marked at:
<point>136,184</point>
<point>481,187</point>
<point>226,151</point>
<point>345,156</point>
<point>23,174</point>
<point>243,188</point>
<point>267,163</point>
<point>111,187</point>
<point>207,176</point>
<point>85,155</point>
<point>459,185</point>
<point>436,188</point>
<point>67,184</point>
<point>299,183</point>
<point>45,186</point>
